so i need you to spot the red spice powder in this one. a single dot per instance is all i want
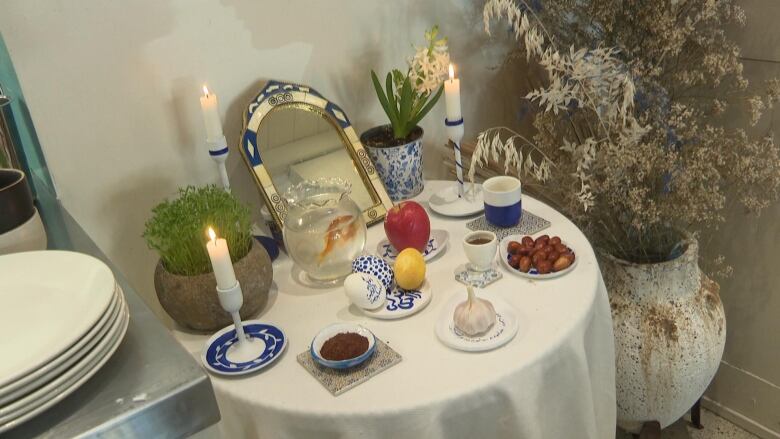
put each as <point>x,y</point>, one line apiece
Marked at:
<point>344,346</point>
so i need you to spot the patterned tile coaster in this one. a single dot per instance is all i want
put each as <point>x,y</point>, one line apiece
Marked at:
<point>477,279</point>
<point>529,224</point>
<point>339,381</point>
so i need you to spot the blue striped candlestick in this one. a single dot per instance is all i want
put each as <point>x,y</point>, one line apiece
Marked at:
<point>455,133</point>
<point>218,150</point>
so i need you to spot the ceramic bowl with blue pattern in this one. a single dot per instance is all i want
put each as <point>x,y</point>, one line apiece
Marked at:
<point>338,328</point>
<point>377,266</point>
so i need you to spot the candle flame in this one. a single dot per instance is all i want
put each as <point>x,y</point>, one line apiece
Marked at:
<point>452,72</point>
<point>212,235</point>
<point>205,90</point>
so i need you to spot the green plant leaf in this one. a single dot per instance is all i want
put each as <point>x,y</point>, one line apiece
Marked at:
<point>406,109</point>
<point>391,100</point>
<point>427,107</point>
<point>389,109</point>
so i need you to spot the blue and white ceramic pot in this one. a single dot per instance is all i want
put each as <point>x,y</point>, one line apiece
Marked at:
<point>399,166</point>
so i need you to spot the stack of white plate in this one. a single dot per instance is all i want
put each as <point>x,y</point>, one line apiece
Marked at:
<point>62,316</point>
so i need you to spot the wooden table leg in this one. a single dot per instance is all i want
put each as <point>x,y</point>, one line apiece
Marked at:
<point>696,415</point>
<point>650,430</point>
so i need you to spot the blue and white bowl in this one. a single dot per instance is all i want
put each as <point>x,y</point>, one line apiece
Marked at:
<point>400,167</point>
<point>377,266</point>
<point>338,328</point>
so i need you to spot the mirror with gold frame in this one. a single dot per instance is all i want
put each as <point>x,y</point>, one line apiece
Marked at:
<point>291,133</point>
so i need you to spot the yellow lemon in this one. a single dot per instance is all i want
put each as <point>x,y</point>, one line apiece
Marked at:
<point>409,269</point>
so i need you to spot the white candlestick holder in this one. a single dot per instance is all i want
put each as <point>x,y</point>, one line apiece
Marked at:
<point>455,132</point>
<point>218,150</point>
<point>231,300</point>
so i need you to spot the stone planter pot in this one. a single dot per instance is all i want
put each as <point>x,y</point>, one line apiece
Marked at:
<point>192,301</point>
<point>670,330</point>
<point>399,166</point>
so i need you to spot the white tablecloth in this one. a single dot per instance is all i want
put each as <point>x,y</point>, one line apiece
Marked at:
<point>555,379</point>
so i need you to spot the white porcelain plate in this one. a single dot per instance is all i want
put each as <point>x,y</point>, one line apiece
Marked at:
<point>446,201</point>
<point>402,303</point>
<point>504,330</point>
<point>436,244</point>
<point>49,300</point>
<point>503,254</point>
<point>60,364</point>
<point>56,390</point>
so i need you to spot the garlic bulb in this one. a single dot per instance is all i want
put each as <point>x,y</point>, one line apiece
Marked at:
<point>474,316</point>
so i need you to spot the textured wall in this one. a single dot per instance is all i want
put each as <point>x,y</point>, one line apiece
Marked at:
<point>113,89</point>
<point>747,386</point>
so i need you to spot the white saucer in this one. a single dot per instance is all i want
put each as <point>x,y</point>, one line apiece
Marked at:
<point>436,243</point>
<point>504,330</point>
<point>402,303</point>
<point>446,202</point>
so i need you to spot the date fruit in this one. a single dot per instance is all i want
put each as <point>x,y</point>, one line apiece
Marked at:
<point>524,264</point>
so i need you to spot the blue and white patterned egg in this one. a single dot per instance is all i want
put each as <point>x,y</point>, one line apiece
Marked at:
<point>365,290</point>
<point>374,265</point>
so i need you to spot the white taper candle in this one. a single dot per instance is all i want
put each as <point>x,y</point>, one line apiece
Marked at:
<point>220,261</point>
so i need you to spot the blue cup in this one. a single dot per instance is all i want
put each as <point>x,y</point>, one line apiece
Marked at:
<point>503,201</point>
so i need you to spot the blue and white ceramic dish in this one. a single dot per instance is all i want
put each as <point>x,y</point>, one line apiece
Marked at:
<point>338,328</point>
<point>400,167</point>
<point>477,279</point>
<point>216,356</point>
<point>503,254</point>
<point>436,243</point>
<point>377,266</point>
<point>402,303</point>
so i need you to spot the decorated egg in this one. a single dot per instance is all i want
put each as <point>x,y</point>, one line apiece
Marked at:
<point>365,290</point>
<point>376,266</point>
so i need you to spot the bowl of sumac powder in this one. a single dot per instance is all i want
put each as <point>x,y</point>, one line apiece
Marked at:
<point>342,345</point>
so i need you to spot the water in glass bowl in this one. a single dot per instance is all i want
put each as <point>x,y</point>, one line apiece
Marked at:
<point>327,243</point>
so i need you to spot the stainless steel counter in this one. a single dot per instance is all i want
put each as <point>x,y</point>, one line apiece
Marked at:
<point>150,388</point>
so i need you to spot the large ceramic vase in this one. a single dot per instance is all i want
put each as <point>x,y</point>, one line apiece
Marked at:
<point>398,165</point>
<point>670,330</point>
<point>192,301</point>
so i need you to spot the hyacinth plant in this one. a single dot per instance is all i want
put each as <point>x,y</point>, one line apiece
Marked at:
<point>629,139</point>
<point>407,97</point>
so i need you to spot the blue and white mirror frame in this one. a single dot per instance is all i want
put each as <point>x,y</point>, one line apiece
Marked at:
<point>278,94</point>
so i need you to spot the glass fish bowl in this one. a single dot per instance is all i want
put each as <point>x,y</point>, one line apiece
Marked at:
<point>324,229</point>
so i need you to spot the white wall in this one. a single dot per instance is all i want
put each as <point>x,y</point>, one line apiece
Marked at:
<point>113,89</point>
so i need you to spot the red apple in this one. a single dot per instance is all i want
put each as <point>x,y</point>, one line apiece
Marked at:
<point>407,225</point>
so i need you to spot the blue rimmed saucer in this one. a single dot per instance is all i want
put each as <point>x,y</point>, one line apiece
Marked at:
<point>402,303</point>
<point>436,243</point>
<point>222,356</point>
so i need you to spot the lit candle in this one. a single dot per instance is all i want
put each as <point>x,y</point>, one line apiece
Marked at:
<point>452,96</point>
<point>210,109</point>
<point>220,261</point>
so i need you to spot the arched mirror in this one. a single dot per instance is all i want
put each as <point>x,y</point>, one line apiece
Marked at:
<point>291,133</point>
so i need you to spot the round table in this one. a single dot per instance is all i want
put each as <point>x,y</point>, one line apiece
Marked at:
<point>555,379</point>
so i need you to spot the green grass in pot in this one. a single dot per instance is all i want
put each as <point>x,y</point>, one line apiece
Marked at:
<point>178,228</point>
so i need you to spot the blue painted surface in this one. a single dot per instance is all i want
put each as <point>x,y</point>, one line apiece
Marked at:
<point>504,216</point>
